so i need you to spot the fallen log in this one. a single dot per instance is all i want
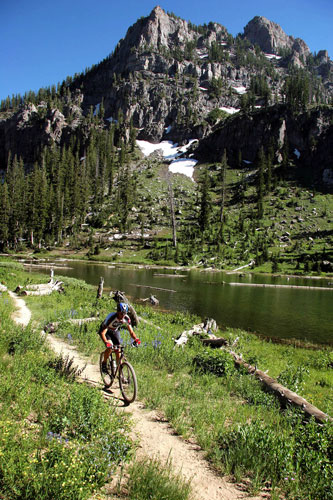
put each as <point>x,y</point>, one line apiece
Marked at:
<point>215,343</point>
<point>243,267</point>
<point>266,285</point>
<point>285,395</point>
<point>155,288</point>
<point>202,329</point>
<point>42,286</point>
<point>170,275</point>
<point>152,299</point>
<point>43,290</point>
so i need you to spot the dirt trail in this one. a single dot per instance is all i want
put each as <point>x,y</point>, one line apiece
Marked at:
<point>156,436</point>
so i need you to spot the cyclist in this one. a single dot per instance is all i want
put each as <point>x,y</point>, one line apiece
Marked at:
<point>109,331</point>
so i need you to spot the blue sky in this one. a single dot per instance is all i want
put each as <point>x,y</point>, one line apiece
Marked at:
<point>43,41</point>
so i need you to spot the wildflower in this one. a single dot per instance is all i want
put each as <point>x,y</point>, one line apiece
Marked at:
<point>156,343</point>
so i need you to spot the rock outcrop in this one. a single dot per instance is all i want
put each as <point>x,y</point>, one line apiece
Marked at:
<point>309,137</point>
<point>271,38</point>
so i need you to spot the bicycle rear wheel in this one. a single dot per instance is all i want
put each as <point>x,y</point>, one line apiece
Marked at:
<point>127,382</point>
<point>107,377</point>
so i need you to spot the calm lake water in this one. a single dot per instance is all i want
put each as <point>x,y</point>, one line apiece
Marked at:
<point>273,312</point>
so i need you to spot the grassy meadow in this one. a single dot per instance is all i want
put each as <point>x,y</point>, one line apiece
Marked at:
<point>242,429</point>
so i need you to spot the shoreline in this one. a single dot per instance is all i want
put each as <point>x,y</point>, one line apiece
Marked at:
<point>295,341</point>
<point>39,263</point>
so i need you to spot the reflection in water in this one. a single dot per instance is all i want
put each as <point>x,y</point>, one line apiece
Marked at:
<point>273,312</point>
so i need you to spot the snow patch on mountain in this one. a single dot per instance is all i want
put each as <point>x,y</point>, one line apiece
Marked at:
<point>170,151</point>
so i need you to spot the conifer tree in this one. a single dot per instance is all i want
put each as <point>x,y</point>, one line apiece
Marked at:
<point>222,182</point>
<point>204,201</point>
<point>15,182</point>
<point>261,166</point>
<point>172,212</point>
<point>5,213</point>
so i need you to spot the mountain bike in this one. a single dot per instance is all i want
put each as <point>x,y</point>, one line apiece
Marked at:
<point>124,371</point>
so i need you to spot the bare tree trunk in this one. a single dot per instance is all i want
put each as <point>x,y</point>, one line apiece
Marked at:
<point>100,288</point>
<point>173,217</point>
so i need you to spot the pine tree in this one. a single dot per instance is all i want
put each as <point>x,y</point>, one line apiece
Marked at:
<point>5,214</point>
<point>16,193</point>
<point>172,212</point>
<point>204,201</point>
<point>261,166</point>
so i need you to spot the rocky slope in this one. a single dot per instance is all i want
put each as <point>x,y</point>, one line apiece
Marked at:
<point>309,139</point>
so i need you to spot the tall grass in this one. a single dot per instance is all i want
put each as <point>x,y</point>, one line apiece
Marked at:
<point>150,478</point>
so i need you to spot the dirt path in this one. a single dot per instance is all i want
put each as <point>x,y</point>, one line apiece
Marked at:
<point>156,436</point>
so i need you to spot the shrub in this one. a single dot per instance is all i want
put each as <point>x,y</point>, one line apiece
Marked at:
<point>219,363</point>
<point>65,367</point>
<point>293,377</point>
<point>288,457</point>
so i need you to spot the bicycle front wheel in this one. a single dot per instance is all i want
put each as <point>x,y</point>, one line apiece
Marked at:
<point>127,382</point>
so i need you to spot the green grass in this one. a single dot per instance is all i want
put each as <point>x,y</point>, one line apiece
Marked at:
<point>150,478</point>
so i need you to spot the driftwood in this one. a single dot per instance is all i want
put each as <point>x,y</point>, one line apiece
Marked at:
<point>121,297</point>
<point>42,289</point>
<point>155,288</point>
<point>152,299</point>
<point>264,285</point>
<point>26,264</point>
<point>207,327</point>
<point>170,275</point>
<point>243,267</point>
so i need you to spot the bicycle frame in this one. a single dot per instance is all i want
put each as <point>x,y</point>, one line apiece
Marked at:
<point>123,371</point>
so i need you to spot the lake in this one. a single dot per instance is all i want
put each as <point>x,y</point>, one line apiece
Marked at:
<point>305,314</point>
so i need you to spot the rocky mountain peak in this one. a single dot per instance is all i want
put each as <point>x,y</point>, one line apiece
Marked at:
<point>270,37</point>
<point>162,29</point>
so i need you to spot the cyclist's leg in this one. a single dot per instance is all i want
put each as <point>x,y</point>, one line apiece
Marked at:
<point>108,350</point>
<point>115,338</point>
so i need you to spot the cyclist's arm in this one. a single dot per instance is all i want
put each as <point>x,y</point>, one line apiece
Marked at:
<point>103,336</point>
<point>131,331</point>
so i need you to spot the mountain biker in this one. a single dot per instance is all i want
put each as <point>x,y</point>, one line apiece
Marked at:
<point>109,331</point>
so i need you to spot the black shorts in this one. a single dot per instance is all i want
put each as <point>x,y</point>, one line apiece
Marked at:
<point>113,336</point>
